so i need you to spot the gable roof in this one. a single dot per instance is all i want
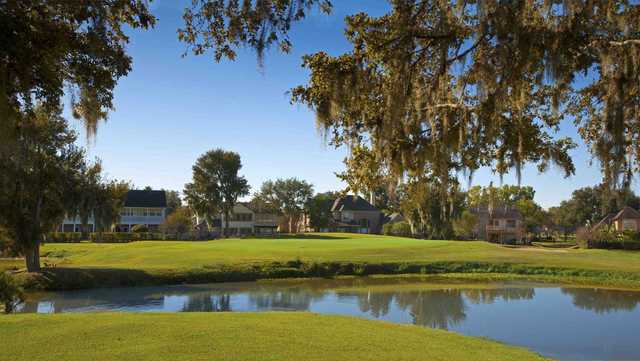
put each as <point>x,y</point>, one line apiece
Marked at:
<point>145,198</point>
<point>626,213</point>
<point>352,203</point>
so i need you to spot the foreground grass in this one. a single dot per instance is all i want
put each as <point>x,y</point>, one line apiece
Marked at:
<point>155,262</point>
<point>235,336</point>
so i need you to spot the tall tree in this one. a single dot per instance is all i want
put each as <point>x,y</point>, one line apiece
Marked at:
<point>441,87</point>
<point>290,196</point>
<point>318,209</point>
<point>216,185</point>
<point>38,180</point>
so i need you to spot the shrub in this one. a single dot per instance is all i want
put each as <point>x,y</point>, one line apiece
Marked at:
<point>387,229</point>
<point>63,237</point>
<point>401,229</point>
<point>140,228</point>
<point>10,293</point>
<point>607,238</point>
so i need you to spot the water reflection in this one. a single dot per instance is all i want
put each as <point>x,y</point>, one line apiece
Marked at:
<point>603,300</point>
<point>570,323</point>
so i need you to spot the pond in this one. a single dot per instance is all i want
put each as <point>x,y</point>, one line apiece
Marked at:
<point>556,321</point>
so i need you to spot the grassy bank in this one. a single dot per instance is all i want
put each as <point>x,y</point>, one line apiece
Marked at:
<point>319,255</point>
<point>235,336</point>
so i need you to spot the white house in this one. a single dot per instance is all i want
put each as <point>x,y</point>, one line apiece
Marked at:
<point>144,207</point>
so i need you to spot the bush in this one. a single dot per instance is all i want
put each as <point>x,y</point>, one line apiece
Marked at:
<point>63,237</point>
<point>607,238</point>
<point>140,228</point>
<point>401,229</point>
<point>10,293</point>
<point>123,237</point>
<point>387,229</point>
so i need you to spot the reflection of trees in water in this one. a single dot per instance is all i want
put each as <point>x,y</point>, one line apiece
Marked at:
<point>204,302</point>
<point>294,299</point>
<point>488,296</point>
<point>436,308</point>
<point>603,301</point>
<point>376,304</point>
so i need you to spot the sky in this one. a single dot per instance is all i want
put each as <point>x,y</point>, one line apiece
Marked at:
<point>171,109</point>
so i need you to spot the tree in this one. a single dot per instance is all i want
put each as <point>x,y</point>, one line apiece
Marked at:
<point>464,226</point>
<point>48,50</point>
<point>216,185</point>
<point>505,196</point>
<point>37,180</point>
<point>318,209</point>
<point>51,48</point>
<point>178,222</point>
<point>226,25</point>
<point>533,216</point>
<point>173,201</point>
<point>439,87</point>
<point>110,201</point>
<point>290,196</point>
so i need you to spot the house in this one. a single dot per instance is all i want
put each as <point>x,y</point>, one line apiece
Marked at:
<point>141,207</point>
<point>627,219</point>
<point>353,214</point>
<point>499,224</point>
<point>245,220</point>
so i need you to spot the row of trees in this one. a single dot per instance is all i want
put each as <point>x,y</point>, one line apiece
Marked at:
<point>217,185</point>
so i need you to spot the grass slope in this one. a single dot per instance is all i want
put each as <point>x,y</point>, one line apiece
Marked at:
<point>235,336</point>
<point>150,262</point>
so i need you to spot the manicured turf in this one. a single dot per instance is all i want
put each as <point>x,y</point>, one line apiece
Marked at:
<point>325,248</point>
<point>234,336</point>
<point>86,265</point>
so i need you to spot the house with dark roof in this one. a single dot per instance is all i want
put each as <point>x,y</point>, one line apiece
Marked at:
<point>627,219</point>
<point>141,207</point>
<point>354,214</point>
<point>498,224</point>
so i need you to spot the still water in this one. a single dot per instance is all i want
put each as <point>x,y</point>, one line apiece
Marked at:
<point>561,322</point>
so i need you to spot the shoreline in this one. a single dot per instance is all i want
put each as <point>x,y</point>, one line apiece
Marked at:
<point>67,278</point>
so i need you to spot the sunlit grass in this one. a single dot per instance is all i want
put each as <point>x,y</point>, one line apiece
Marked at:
<point>235,336</point>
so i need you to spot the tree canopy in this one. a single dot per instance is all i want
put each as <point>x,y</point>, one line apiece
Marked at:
<point>290,196</point>
<point>216,185</point>
<point>48,48</point>
<point>438,87</point>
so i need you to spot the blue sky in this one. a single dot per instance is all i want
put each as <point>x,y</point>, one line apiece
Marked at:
<point>170,109</point>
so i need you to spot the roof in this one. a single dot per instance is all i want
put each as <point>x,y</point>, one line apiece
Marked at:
<point>352,203</point>
<point>626,213</point>
<point>146,198</point>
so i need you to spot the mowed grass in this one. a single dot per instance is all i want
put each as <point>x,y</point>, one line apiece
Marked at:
<point>235,336</point>
<point>375,249</point>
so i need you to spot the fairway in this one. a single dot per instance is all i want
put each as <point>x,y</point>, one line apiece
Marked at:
<point>235,336</point>
<point>335,247</point>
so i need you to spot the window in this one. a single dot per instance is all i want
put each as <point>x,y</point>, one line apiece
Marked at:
<point>511,223</point>
<point>364,223</point>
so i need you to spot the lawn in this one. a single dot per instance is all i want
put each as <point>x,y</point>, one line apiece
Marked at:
<point>155,262</point>
<point>235,336</point>
<point>147,255</point>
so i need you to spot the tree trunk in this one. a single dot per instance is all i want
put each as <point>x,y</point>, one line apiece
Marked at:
<point>290,224</point>
<point>225,232</point>
<point>32,257</point>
